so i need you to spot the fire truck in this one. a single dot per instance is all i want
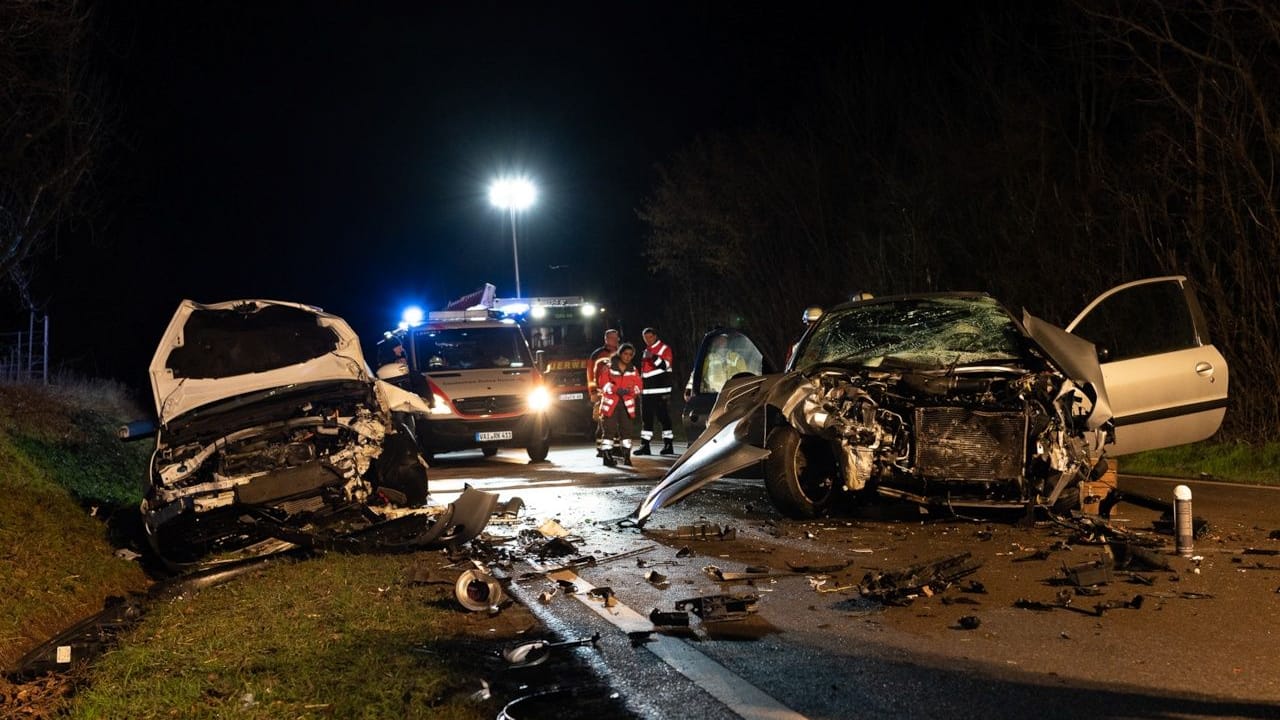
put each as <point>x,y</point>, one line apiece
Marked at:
<point>564,329</point>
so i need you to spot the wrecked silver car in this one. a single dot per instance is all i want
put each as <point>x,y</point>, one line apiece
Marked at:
<point>948,399</point>
<point>273,433</point>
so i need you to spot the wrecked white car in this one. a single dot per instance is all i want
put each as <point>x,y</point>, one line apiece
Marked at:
<point>948,399</point>
<point>273,433</point>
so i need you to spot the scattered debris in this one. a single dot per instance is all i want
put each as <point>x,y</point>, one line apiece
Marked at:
<point>1097,572</point>
<point>657,579</point>
<point>959,601</point>
<point>818,569</point>
<point>975,587</point>
<point>1129,554</point>
<point>557,547</point>
<point>751,572</point>
<point>719,608</point>
<point>706,531</point>
<point>643,563</point>
<point>1261,551</point>
<point>684,552</point>
<point>536,652</point>
<point>970,622</point>
<point>568,587</point>
<point>546,596</point>
<point>552,529</point>
<point>478,591</point>
<point>678,618</point>
<point>819,583</point>
<point>604,593</point>
<point>900,587</point>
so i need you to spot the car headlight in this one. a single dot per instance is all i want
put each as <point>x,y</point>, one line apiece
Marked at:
<point>440,405</point>
<point>539,399</point>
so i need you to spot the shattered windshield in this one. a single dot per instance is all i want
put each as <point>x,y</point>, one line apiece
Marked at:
<point>936,332</point>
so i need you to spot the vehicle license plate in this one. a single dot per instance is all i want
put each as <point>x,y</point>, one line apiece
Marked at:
<point>495,435</point>
<point>571,396</point>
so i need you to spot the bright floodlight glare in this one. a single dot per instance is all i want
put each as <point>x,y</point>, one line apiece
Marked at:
<point>538,312</point>
<point>412,315</point>
<point>512,193</point>
<point>588,310</point>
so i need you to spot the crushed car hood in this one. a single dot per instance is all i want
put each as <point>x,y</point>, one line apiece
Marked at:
<point>210,353</point>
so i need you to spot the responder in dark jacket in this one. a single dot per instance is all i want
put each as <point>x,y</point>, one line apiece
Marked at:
<point>656,370</point>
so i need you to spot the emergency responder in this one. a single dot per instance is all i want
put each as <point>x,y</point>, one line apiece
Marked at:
<point>601,355</point>
<point>655,371</point>
<point>619,384</point>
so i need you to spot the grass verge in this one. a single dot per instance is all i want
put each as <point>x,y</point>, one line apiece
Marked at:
<point>339,636</point>
<point>1232,462</point>
<point>59,464</point>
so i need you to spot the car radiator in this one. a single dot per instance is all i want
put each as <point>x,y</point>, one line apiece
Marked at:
<point>965,444</point>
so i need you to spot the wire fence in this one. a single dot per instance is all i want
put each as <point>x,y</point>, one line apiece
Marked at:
<point>24,356</point>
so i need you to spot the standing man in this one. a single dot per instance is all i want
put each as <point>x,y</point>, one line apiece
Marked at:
<point>655,370</point>
<point>600,356</point>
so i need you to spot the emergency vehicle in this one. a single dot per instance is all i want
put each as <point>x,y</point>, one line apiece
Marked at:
<point>483,382</point>
<point>565,329</point>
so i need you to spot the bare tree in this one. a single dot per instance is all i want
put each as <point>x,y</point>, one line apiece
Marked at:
<point>51,128</point>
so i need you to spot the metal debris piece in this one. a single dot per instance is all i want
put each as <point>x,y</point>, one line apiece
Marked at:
<point>536,652</point>
<point>557,547</point>
<point>1134,604</point>
<point>1025,604</point>
<point>684,552</point>
<point>568,587</point>
<point>478,591</point>
<point>706,531</point>
<point>975,587</point>
<point>1097,572</point>
<point>643,563</point>
<point>970,622</point>
<point>751,572</point>
<point>818,569</point>
<point>552,529</point>
<point>1130,555</point>
<point>1089,591</point>
<point>663,618</point>
<point>546,596</point>
<point>604,593</point>
<point>1041,554</point>
<point>959,601</point>
<point>1261,551</point>
<point>900,587</point>
<point>819,583</point>
<point>656,578</point>
<point>719,608</point>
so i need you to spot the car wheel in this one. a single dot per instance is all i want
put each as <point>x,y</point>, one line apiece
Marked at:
<point>799,474</point>
<point>489,451</point>
<point>538,452</point>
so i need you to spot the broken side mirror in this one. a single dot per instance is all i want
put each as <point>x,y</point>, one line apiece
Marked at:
<point>811,314</point>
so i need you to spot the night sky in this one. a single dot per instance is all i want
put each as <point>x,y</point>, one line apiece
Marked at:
<point>339,154</point>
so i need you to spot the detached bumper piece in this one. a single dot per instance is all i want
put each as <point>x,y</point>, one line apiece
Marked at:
<point>720,608</point>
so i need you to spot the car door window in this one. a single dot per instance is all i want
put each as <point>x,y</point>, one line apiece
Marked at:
<point>728,355</point>
<point>1139,321</point>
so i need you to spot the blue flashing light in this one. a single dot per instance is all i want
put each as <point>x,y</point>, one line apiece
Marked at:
<point>412,316</point>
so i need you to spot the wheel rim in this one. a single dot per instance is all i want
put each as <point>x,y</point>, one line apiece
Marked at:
<point>815,479</point>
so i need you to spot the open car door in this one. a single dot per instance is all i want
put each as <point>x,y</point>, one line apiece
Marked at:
<point>722,355</point>
<point>1166,381</point>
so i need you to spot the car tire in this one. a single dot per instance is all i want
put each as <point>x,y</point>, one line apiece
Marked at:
<point>799,474</point>
<point>538,452</point>
<point>489,451</point>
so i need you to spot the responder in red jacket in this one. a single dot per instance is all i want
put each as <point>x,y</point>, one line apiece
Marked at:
<point>656,372</point>
<point>619,384</point>
<point>600,356</point>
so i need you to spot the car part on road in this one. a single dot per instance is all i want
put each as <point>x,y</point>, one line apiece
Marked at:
<point>900,587</point>
<point>970,622</point>
<point>720,608</point>
<point>751,572</point>
<point>705,531</point>
<point>1097,572</point>
<point>536,652</point>
<point>478,591</point>
<point>818,569</point>
<point>657,579</point>
<point>662,618</point>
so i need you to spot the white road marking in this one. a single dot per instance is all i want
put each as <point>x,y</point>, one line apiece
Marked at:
<point>740,696</point>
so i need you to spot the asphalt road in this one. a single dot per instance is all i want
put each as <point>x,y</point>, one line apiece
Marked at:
<point>1200,643</point>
